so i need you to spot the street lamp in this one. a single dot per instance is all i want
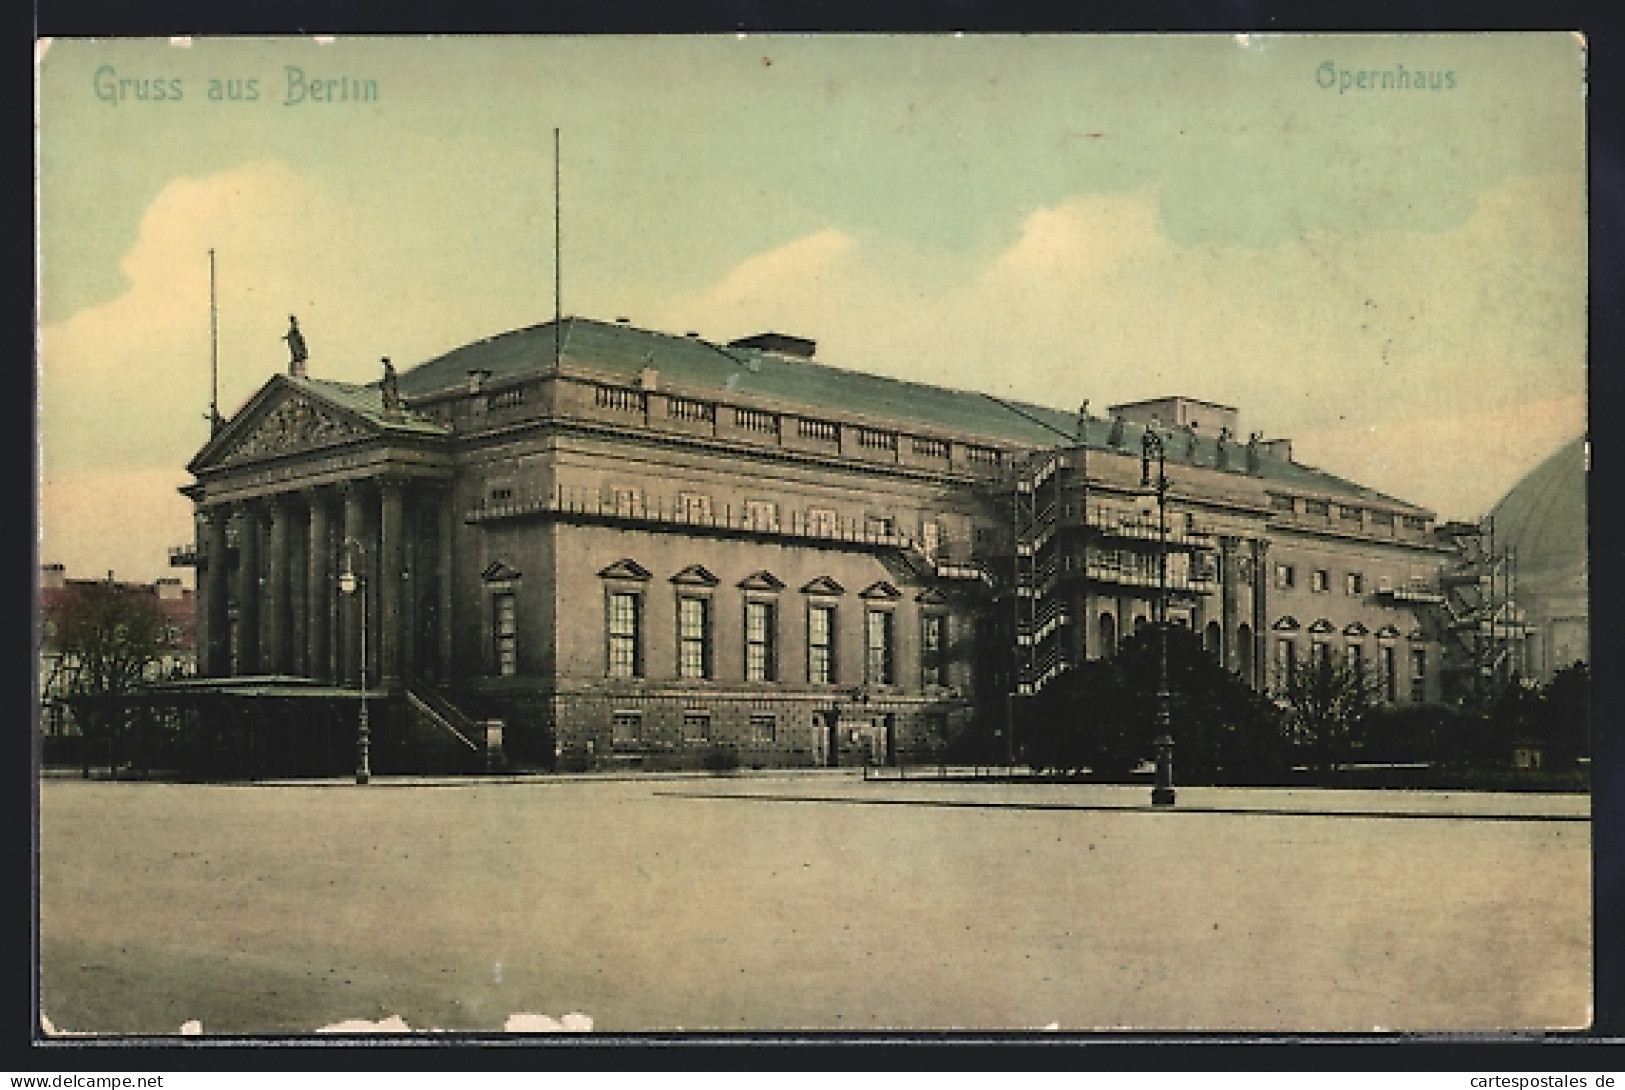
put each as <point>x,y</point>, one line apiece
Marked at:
<point>1151,447</point>
<point>351,583</point>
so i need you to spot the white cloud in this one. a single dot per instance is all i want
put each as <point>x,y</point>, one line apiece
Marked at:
<point>1426,338</point>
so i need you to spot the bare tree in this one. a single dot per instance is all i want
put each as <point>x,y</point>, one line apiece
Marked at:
<point>107,638</point>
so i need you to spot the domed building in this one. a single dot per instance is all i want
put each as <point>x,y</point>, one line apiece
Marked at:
<point>1542,523</point>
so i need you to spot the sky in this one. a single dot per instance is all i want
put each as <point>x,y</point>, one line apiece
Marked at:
<point>1374,246</point>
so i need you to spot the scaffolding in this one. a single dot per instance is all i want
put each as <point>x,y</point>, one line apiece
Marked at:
<point>1480,625</point>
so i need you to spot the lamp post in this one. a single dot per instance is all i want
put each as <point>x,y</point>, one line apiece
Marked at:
<point>1151,447</point>
<point>351,583</point>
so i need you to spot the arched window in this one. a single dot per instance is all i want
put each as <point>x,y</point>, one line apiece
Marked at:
<point>1108,635</point>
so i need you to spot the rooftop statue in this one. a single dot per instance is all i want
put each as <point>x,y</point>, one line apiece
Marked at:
<point>391,390</point>
<point>296,347</point>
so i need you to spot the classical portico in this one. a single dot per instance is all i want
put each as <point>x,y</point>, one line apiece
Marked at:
<point>311,480</point>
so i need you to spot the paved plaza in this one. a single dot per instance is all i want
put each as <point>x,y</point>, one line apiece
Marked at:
<point>812,901</point>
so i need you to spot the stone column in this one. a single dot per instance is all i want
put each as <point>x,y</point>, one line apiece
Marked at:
<point>248,590</point>
<point>1228,592</point>
<point>1262,578</point>
<point>319,589</point>
<point>298,588</point>
<point>391,570</point>
<point>274,655</point>
<point>352,559</point>
<point>445,527</point>
<point>214,639</point>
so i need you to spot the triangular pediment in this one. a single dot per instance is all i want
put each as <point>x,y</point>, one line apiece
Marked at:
<point>281,419</point>
<point>1355,628</point>
<point>823,585</point>
<point>1387,632</point>
<point>1286,624</point>
<point>931,596</point>
<point>625,569</point>
<point>882,590</point>
<point>695,575</point>
<point>761,580</point>
<point>498,571</point>
<point>1321,625</point>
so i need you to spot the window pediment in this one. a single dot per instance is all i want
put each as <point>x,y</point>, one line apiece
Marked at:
<point>880,590</point>
<point>1286,624</point>
<point>1355,629</point>
<point>1321,626</point>
<point>761,580</point>
<point>695,575</point>
<point>1387,632</point>
<point>498,571</point>
<point>931,596</point>
<point>625,569</point>
<point>823,585</point>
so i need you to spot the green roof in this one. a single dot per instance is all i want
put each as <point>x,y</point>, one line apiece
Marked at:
<point>367,401</point>
<point>702,366</point>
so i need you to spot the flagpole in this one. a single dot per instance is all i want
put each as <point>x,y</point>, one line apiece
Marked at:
<point>214,353</point>
<point>558,249</point>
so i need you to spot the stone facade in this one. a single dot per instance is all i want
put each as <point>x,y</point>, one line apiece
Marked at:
<point>637,549</point>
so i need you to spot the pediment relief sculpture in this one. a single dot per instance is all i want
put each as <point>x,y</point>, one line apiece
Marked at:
<point>295,424</point>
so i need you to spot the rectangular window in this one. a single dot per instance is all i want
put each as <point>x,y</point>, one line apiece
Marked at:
<point>1320,581</point>
<point>628,501</point>
<point>1349,514</point>
<point>1419,675</point>
<point>879,526</point>
<point>625,652</point>
<point>1354,583</point>
<point>760,630</point>
<point>930,538</point>
<point>821,522</point>
<point>626,729</point>
<point>1316,507</point>
<point>1384,519</point>
<point>696,726</point>
<point>1284,576</point>
<point>693,637</point>
<point>1390,680</point>
<point>762,515</point>
<point>764,728</point>
<point>1351,657</point>
<point>932,639</point>
<point>821,645</point>
<point>506,628</point>
<point>878,644</point>
<point>1280,502</point>
<point>1321,653</point>
<point>1286,661</point>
